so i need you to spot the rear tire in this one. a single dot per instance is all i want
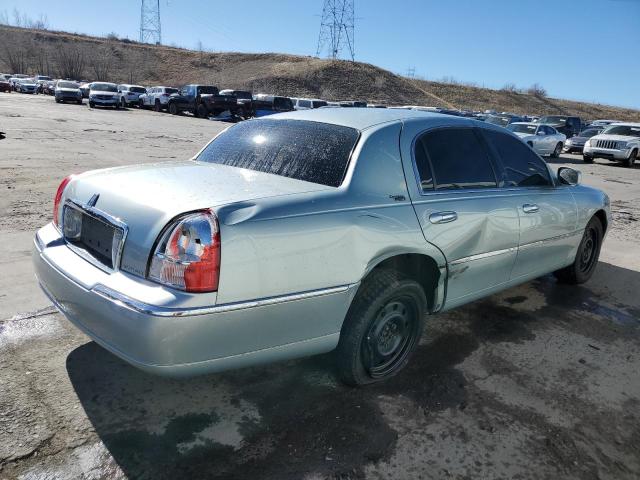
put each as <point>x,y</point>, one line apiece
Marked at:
<point>201,111</point>
<point>587,256</point>
<point>156,106</point>
<point>382,328</point>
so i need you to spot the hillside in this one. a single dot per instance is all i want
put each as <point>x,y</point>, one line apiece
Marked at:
<point>120,61</point>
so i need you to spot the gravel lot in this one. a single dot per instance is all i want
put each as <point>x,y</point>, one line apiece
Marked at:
<point>540,381</point>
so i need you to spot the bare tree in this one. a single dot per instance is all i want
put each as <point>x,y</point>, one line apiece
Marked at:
<point>101,63</point>
<point>509,87</point>
<point>4,18</point>
<point>71,62</point>
<point>17,59</point>
<point>537,90</point>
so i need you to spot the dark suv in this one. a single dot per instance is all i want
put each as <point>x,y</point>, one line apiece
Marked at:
<point>570,126</point>
<point>203,101</point>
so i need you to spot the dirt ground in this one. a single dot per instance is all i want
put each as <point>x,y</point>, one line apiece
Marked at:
<point>540,381</point>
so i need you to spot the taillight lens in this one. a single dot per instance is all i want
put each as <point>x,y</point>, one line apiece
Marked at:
<point>58,198</point>
<point>187,256</point>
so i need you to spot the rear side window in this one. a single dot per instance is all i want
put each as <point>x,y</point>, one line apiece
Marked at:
<point>523,168</point>
<point>453,158</point>
<point>310,151</point>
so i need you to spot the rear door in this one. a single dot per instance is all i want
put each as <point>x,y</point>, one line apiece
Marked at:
<point>461,208</point>
<point>547,212</point>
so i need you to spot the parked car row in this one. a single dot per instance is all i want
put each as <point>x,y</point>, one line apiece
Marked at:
<point>546,135</point>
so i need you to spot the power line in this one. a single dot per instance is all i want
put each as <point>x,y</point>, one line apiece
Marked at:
<point>337,29</point>
<point>150,27</point>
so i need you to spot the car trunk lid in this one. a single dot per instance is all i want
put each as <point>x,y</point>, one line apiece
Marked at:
<point>147,197</point>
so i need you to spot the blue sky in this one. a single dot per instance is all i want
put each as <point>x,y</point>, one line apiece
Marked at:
<point>577,49</point>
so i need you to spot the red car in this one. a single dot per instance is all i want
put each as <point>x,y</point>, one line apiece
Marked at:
<point>5,86</point>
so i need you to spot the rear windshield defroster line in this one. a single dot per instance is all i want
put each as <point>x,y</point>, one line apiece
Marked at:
<point>309,151</point>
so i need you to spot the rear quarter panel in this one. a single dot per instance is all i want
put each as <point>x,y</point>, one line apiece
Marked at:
<point>311,241</point>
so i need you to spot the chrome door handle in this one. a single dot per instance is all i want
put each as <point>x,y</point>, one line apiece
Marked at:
<point>530,208</point>
<point>443,217</point>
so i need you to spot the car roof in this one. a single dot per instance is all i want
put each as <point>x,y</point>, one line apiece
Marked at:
<point>362,118</point>
<point>529,123</point>
<point>625,124</point>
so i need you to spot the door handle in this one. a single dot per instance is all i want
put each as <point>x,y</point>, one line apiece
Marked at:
<point>443,217</point>
<point>530,208</point>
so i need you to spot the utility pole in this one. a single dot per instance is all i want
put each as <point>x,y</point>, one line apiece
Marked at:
<point>150,28</point>
<point>411,72</point>
<point>337,29</point>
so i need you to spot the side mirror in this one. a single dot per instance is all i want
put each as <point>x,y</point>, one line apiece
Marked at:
<point>569,176</point>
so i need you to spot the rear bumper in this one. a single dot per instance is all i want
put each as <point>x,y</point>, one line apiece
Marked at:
<point>611,154</point>
<point>152,329</point>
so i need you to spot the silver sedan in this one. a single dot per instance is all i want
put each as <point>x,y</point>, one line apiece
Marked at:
<point>311,231</point>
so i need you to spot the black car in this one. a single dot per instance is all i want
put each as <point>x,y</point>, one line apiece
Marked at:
<point>576,143</point>
<point>244,99</point>
<point>570,126</point>
<point>270,104</point>
<point>203,101</point>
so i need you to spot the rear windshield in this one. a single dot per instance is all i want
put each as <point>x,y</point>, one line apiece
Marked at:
<point>309,151</point>
<point>207,90</point>
<point>171,90</point>
<point>137,89</point>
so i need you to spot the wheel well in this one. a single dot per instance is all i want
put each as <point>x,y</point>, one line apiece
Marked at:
<point>602,216</point>
<point>421,268</point>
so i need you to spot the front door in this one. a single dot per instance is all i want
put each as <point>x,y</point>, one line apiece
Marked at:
<point>461,209</point>
<point>548,213</point>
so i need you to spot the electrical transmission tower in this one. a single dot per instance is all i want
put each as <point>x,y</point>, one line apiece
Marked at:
<point>337,29</point>
<point>150,30</point>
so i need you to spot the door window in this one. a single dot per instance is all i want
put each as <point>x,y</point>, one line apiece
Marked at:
<point>453,158</point>
<point>523,168</point>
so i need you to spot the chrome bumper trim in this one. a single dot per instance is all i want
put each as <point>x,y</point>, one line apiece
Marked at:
<point>156,311</point>
<point>480,256</point>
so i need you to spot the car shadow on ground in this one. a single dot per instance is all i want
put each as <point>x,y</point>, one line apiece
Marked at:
<point>285,420</point>
<point>564,159</point>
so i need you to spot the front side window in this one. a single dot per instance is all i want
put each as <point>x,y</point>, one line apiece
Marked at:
<point>453,158</point>
<point>309,151</point>
<point>523,168</point>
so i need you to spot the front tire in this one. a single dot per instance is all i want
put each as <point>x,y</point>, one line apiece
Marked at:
<point>382,329</point>
<point>173,109</point>
<point>587,159</point>
<point>628,162</point>
<point>156,106</point>
<point>587,256</point>
<point>557,151</point>
<point>91,104</point>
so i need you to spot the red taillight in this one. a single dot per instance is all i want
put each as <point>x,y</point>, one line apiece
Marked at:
<point>188,254</point>
<point>58,198</point>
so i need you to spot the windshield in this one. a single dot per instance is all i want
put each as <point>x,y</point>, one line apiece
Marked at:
<point>626,130</point>
<point>208,90</point>
<point>520,128</point>
<point>502,121</point>
<point>309,151</point>
<point>138,89</point>
<point>552,119</point>
<point>319,103</point>
<point>67,85</point>
<point>590,132</point>
<point>104,87</point>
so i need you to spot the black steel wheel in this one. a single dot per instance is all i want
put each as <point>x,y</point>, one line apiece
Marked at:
<point>586,257</point>
<point>382,328</point>
<point>156,106</point>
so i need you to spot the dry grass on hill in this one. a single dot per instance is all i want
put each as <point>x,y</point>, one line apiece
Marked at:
<point>126,61</point>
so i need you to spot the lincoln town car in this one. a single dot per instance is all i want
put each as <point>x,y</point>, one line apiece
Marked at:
<point>307,232</point>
